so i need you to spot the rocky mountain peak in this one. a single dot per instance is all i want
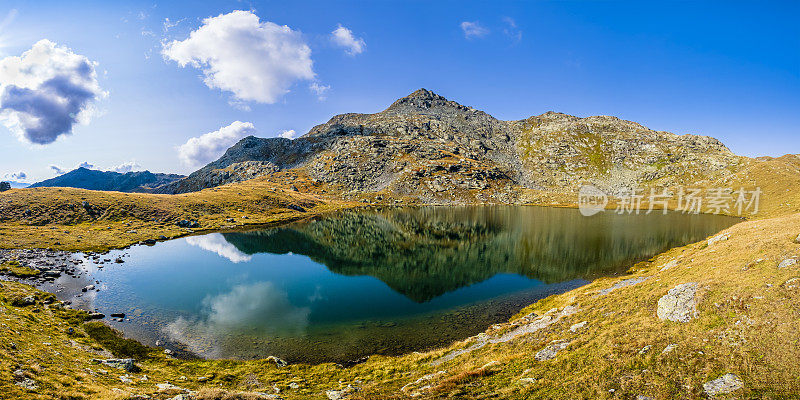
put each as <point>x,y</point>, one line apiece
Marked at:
<point>424,101</point>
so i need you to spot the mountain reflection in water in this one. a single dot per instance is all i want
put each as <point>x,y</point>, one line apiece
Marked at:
<point>426,252</point>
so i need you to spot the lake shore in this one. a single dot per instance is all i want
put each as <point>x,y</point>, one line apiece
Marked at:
<point>576,344</point>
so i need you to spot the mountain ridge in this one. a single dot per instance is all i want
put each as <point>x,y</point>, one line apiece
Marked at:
<point>84,178</point>
<point>433,149</point>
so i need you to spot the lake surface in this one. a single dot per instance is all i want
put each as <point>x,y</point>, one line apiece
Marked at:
<point>356,283</point>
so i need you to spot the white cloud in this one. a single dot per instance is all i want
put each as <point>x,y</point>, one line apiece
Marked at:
<point>511,29</point>
<point>319,89</point>
<point>288,134</point>
<point>201,150</point>
<point>126,167</point>
<point>343,37</point>
<point>57,170</point>
<point>216,243</point>
<point>473,29</point>
<point>17,176</point>
<point>86,165</point>
<point>256,61</point>
<point>46,91</point>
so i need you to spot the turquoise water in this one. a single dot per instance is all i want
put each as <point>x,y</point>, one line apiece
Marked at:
<point>358,283</point>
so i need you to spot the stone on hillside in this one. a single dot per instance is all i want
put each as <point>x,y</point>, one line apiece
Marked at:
<point>719,238</point>
<point>678,305</point>
<point>28,384</point>
<point>787,263</point>
<point>669,348</point>
<point>724,384</point>
<point>279,362</point>
<point>669,265</point>
<point>576,327</point>
<point>622,284</point>
<point>550,352</point>
<point>121,363</point>
<point>296,208</point>
<point>797,239</point>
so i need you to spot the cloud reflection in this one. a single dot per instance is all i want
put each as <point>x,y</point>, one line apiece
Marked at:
<point>216,243</point>
<point>258,309</point>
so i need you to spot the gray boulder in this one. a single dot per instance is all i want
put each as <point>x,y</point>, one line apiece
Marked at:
<point>550,352</point>
<point>678,305</point>
<point>724,384</point>
<point>121,363</point>
<point>787,263</point>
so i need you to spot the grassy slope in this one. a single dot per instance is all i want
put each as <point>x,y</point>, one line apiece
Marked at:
<point>747,323</point>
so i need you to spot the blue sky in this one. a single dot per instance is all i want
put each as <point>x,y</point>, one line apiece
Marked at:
<point>725,69</point>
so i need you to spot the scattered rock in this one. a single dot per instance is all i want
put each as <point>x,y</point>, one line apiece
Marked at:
<point>296,208</point>
<point>527,381</point>
<point>118,315</point>
<point>27,383</point>
<point>340,394</point>
<point>622,284</point>
<point>787,263</point>
<point>669,348</point>
<point>96,315</point>
<point>645,349</point>
<point>576,327</point>
<point>725,384</point>
<point>550,352</point>
<point>643,397</point>
<point>669,265</point>
<point>280,363</point>
<point>127,364</point>
<point>25,301</point>
<point>678,305</point>
<point>797,239</point>
<point>719,238</point>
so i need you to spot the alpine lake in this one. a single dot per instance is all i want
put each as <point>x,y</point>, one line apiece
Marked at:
<point>351,284</point>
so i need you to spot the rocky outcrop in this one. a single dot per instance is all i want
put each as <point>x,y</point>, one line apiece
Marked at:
<point>678,305</point>
<point>725,384</point>
<point>436,150</point>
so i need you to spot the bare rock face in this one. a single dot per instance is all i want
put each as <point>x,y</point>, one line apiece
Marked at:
<point>678,305</point>
<point>725,384</point>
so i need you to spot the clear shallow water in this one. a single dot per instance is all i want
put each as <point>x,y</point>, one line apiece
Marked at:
<point>358,283</point>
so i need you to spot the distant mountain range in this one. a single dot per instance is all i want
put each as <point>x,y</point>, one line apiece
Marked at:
<point>84,178</point>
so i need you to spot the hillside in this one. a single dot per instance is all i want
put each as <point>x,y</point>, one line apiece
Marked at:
<point>84,178</point>
<point>436,150</point>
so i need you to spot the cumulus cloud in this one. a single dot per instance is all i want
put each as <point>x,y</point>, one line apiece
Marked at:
<point>344,38</point>
<point>46,91</point>
<point>86,165</point>
<point>288,134</point>
<point>254,60</point>
<point>473,29</point>
<point>126,167</point>
<point>206,148</point>
<point>216,243</point>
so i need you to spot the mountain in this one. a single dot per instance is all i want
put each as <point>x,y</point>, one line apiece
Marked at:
<point>83,178</point>
<point>427,147</point>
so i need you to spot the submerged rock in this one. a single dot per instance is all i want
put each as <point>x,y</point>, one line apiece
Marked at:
<point>678,305</point>
<point>724,384</point>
